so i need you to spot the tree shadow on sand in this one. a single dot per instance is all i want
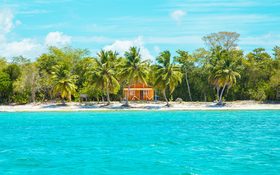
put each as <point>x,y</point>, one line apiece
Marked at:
<point>54,106</point>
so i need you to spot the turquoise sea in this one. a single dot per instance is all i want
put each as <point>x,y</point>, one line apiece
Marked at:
<point>140,143</point>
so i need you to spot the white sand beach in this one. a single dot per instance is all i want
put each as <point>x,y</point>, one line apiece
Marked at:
<point>159,106</point>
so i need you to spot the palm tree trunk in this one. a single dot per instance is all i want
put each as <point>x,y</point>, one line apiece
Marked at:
<point>221,95</point>
<point>164,95</point>
<point>103,93</point>
<point>188,84</point>
<point>108,96</point>
<point>127,94</point>
<point>97,98</point>
<point>63,101</point>
<point>218,92</point>
<point>33,95</point>
<point>33,89</point>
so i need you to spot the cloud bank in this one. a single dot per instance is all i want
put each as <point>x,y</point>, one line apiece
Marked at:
<point>121,46</point>
<point>27,47</point>
<point>57,39</point>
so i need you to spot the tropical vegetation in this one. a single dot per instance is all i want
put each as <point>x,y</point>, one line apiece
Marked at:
<point>220,71</point>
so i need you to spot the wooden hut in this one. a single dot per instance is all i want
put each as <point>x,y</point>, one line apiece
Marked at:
<point>139,92</point>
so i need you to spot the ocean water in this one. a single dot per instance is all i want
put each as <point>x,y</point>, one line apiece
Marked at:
<point>140,143</point>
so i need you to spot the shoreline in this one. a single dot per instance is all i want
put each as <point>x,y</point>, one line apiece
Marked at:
<point>137,106</point>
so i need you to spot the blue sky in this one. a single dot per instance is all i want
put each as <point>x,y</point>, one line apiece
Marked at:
<point>28,27</point>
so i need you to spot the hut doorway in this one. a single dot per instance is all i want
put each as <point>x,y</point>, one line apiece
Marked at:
<point>141,95</point>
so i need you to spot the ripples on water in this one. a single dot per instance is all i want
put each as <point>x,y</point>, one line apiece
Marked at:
<point>141,143</point>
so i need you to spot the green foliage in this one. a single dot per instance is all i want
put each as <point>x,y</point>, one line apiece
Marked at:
<point>224,40</point>
<point>224,61</point>
<point>28,81</point>
<point>21,98</point>
<point>3,63</point>
<point>13,70</point>
<point>6,87</point>
<point>64,82</point>
<point>186,62</point>
<point>260,92</point>
<point>103,74</point>
<point>20,60</point>
<point>46,62</point>
<point>83,69</point>
<point>218,71</point>
<point>133,69</point>
<point>168,74</point>
<point>275,79</point>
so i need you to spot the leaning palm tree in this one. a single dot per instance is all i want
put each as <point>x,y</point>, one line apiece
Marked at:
<point>133,69</point>
<point>64,82</point>
<point>104,73</point>
<point>224,76</point>
<point>168,75</point>
<point>216,56</point>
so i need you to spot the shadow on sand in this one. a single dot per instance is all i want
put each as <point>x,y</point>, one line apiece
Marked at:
<point>54,106</point>
<point>153,107</point>
<point>215,105</point>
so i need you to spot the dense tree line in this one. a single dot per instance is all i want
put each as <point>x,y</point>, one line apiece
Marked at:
<point>219,71</point>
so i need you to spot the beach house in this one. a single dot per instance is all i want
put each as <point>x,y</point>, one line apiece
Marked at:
<point>139,92</point>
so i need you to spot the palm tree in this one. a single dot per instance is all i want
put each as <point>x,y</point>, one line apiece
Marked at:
<point>225,76</point>
<point>104,73</point>
<point>64,82</point>
<point>133,70</point>
<point>168,75</point>
<point>186,62</point>
<point>217,54</point>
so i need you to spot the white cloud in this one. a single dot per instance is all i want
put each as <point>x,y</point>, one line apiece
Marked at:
<point>27,47</point>
<point>31,48</point>
<point>267,40</point>
<point>121,46</point>
<point>6,21</point>
<point>218,4</point>
<point>157,49</point>
<point>177,15</point>
<point>93,39</point>
<point>57,39</point>
<point>18,22</point>
<point>33,12</point>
